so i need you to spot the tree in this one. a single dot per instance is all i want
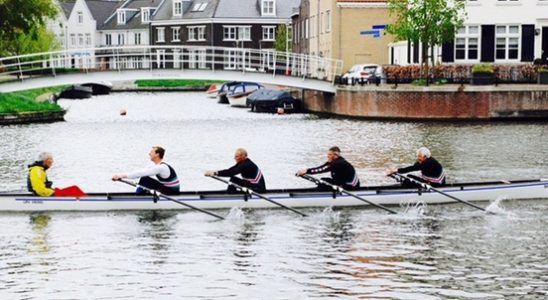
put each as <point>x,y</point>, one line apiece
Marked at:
<point>429,22</point>
<point>282,43</point>
<point>23,18</point>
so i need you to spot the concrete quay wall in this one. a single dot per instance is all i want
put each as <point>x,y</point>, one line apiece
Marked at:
<point>451,102</point>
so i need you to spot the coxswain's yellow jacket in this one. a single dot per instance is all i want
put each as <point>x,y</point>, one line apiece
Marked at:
<point>38,181</point>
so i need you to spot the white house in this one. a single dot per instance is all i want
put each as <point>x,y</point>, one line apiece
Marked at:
<point>494,31</point>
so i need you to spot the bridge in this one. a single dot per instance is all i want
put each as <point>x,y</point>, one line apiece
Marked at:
<point>76,66</point>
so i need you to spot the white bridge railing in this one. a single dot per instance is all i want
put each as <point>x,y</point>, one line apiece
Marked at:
<point>172,58</point>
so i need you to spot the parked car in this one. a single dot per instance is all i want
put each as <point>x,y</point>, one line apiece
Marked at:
<point>364,73</point>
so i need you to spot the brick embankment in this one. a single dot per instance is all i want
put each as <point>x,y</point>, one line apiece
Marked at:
<point>448,102</point>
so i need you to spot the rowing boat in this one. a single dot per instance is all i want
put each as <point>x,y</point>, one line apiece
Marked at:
<point>384,195</point>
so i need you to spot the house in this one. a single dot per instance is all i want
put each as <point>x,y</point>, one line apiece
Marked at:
<point>350,30</point>
<point>494,31</point>
<point>250,24</point>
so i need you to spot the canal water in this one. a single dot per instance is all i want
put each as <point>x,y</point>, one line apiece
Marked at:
<point>427,252</point>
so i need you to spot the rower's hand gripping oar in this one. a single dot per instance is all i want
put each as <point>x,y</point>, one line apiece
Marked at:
<point>155,193</point>
<point>428,187</point>
<point>252,192</point>
<point>341,190</point>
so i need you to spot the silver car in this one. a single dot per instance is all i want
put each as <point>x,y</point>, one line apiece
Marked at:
<point>363,73</point>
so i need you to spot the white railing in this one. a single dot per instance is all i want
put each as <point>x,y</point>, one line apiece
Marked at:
<point>173,58</point>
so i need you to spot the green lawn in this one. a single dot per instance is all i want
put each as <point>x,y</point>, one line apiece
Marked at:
<point>25,101</point>
<point>174,83</point>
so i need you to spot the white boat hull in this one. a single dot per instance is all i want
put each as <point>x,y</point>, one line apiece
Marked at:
<point>240,101</point>
<point>104,202</point>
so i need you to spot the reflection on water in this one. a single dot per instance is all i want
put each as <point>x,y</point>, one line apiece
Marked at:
<point>425,252</point>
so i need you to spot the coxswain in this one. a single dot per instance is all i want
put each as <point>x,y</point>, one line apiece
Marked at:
<point>37,180</point>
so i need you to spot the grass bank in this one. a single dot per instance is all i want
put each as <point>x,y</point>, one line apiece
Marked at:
<point>25,101</point>
<point>175,83</point>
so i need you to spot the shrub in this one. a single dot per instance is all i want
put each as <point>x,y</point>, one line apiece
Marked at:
<point>483,69</point>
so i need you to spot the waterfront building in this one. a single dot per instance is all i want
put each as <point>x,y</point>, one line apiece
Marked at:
<point>350,30</point>
<point>494,31</point>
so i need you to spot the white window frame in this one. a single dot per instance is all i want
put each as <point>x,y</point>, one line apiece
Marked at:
<point>88,39</point>
<point>191,33</point>
<point>73,39</point>
<point>230,33</point>
<point>177,8</point>
<point>200,34</point>
<point>145,14</point>
<point>80,39</point>
<point>268,7</point>
<point>269,33</point>
<point>244,33</point>
<point>176,34</point>
<point>121,17</point>
<point>231,59</point>
<point>137,38</point>
<point>80,15</point>
<point>160,34</point>
<point>108,39</point>
<point>328,21</point>
<point>121,39</point>
<point>466,35</point>
<point>507,36</point>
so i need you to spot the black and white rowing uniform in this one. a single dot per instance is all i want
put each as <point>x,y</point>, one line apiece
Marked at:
<point>431,171</point>
<point>166,181</point>
<point>342,173</point>
<point>252,177</point>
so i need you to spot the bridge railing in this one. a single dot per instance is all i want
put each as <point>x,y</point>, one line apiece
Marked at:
<point>173,58</point>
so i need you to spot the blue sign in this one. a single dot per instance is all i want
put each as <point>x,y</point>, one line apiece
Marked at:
<point>370,32</point>
<point>379,27</point>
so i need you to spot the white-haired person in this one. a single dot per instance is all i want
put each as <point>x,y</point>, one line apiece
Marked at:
<point>38,183</point>
<point>252,177</point>
<point>431,170</point>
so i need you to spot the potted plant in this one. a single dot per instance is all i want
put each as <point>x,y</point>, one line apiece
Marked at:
<point>483,74</point>
<point>542,76</point>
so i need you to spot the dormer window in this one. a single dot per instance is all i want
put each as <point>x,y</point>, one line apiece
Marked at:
<point>177,8</point>
<point>121,17</point>
<point>145,15</point>
<point>80,17</point>
<point>268,7</point>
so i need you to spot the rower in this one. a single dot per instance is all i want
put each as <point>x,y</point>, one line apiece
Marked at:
<point>343,173</point>
<point>166,181</point>
<point>252,177</point>
<point>431,170</point>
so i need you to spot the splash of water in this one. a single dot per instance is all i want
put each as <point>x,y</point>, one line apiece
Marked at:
<point>328,214</point>
<point>497,208</point>
<point>236,214</point>
<point>414,208</point>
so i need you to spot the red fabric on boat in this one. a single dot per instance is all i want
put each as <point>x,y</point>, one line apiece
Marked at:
<point>70,191</point>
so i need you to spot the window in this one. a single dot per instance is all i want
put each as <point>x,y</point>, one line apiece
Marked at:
<point>269,33</point>
<point>160,34</point>
<point>192,33</point>
<point>177,7</point>
<point>244,33</point>
<point>199,6</point>
<point>88,39</point>
<point>80,39</point>
<point>467,43</point>
<point>306,28</point>
<point>230,59</point>
<point>507,42</point>
<point>145,15</point>
<point>229,33</point>
<point>108,39</point>
<point>73,39</point>
<point>328,21</point>
<point>175,34</point>
<point>121,17</point>
<point>268,8</point>
<point>137,38</point>
<point>201,33</point>
<point>121,39</point>
<point>80,17</point>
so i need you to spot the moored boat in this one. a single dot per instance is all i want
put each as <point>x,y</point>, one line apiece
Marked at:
<point>237,97</point>
<point>384,195</point>
<point>272,100</point>
<point>99,88</point>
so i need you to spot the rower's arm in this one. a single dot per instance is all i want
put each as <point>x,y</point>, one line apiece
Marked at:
<point>413,168</point>
<point>321,169</point>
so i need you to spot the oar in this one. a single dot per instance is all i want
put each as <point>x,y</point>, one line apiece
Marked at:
<point>341,190</point>
<point>155,192</point>
<point>429,187</point>
<point>252,192</point>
